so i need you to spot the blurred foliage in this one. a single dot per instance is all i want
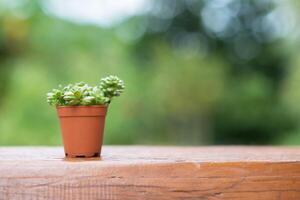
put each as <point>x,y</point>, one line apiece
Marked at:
<point>196,72</point>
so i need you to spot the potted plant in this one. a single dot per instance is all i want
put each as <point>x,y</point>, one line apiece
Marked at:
<point>81,110</point>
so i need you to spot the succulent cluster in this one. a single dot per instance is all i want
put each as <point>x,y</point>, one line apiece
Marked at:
<point>82,94</point>
<point>112,86</point>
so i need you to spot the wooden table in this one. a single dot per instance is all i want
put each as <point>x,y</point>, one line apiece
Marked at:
<point>139,172</point>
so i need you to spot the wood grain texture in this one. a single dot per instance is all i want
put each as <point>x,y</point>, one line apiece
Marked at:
<point>136,172</point>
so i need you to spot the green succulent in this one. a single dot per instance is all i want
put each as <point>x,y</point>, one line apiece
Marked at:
<point>82,94</point>
<point>112,86</point>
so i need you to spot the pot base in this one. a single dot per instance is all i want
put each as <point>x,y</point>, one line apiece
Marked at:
<point>84,155</point>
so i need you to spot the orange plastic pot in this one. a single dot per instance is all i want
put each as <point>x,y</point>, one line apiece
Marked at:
<point>82,129</point>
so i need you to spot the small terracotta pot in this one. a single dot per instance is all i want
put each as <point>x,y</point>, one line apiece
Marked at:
<point>82,129</point>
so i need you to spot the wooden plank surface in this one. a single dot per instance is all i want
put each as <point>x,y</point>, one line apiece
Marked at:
<point>137,172</point>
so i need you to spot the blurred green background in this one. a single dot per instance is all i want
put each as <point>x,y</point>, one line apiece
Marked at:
<point>196,71</point>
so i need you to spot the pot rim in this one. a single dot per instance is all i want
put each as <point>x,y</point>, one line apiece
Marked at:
<point>82,106</point>
<point>81,111</point>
